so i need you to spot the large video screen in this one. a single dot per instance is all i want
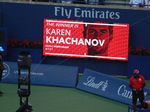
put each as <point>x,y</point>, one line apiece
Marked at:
<point>81,39</point>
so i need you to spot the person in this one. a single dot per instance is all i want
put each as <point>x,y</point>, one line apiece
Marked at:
<point>101,2</point>
<point>137,82</point>
<point>137,3</point>
<point>101,33</point>
<point>1,66</point>
<point>147,3</point>
<point>96,2</point>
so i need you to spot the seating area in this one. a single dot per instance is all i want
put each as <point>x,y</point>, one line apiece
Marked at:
<point>112,3</point>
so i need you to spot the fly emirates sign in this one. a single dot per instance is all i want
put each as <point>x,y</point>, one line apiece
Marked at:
<point>82,39</point>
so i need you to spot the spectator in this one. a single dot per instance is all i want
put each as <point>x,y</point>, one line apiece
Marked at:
<point>147,3</point>
<point>101,2</point>
<point>137,3</point>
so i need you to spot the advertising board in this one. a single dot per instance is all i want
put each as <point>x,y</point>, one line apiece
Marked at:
<point>107,86</point>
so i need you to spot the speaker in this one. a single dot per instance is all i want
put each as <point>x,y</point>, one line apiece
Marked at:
<point>24,60</point>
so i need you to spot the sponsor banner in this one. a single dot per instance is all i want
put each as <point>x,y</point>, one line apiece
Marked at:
<point>107,86</point>
<point>85,39</point>
<point>42,74</point>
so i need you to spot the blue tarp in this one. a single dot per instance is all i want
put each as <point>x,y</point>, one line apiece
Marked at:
<point>42,74</point>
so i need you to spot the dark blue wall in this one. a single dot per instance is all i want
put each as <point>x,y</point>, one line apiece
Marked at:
<point>105,66</point>
<point>25,21</point>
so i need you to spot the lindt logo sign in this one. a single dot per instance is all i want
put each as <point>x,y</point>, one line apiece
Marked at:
<point>92,83</point>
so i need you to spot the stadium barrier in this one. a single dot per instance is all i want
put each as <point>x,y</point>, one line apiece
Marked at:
<point>108,86</point>
<point>42,74</point>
